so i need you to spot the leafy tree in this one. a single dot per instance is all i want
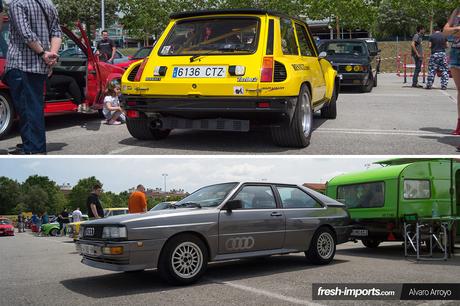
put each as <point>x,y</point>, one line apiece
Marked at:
<point>35,198</point>
<point>54,197</point>
<point>81,191</point>
<point>10,193</point>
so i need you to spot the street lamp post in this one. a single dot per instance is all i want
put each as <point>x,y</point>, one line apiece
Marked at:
<point>103,14</point>
<point>164,177</point>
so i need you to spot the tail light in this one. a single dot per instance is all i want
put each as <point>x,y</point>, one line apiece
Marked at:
<point>267,70</point>
<point>141,70</point>
<point>132,114</point>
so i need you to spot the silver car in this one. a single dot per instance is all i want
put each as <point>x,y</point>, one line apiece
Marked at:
<point>215,223</point>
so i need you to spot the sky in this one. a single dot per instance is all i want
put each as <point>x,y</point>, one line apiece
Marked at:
<point>189,173</point>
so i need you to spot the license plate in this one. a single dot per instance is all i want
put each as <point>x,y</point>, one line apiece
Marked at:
<point>359,232</point>
<point>88,249</point>
<point>200,72</point>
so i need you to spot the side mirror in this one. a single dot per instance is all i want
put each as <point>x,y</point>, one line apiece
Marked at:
<point>233,204</point>
<point>323,54</point>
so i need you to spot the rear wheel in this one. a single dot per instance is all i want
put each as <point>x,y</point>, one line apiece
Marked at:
<point>6,114</point>
<point>322,247</point>
<point>298,133</point>
<point>329,111</point>
<point>371,243</point>
<point>142,130</point>
<point>183,260</point>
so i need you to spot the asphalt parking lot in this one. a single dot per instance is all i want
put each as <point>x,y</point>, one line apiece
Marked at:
<point>47,271</point>
<point>393,119</point>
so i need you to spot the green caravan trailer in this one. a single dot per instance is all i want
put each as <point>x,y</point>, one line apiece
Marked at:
<point>380,199</point>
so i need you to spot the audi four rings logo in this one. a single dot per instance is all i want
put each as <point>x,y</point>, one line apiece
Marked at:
<point>239,243</point>
<point>89,231</point>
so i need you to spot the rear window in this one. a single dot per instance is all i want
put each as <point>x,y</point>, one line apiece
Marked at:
<point>367,195</point>
<point>212,36</point>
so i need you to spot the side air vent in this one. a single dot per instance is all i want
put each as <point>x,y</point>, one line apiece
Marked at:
<point>132,74</point>
<point>280,72</point>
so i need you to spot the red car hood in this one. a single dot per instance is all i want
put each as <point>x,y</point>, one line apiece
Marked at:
<point>6,226</point>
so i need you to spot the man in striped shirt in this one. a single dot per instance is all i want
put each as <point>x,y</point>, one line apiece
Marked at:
<point>35,38</point>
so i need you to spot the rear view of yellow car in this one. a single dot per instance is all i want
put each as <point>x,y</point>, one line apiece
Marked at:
<point>231,70</point>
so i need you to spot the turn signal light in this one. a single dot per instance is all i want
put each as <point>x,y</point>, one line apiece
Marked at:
<point>141,70</point>
<point>112,250</point>
<point>267,70</point>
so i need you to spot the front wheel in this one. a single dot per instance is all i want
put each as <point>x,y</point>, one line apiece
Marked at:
<point>322,247</point>
<point>370,84</point>
<point>183,260</point>
<point>54,232</point>
<point>6,114</point>
<point>298,133</point>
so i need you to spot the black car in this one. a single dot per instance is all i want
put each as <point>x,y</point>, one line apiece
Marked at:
<point>354,61</point>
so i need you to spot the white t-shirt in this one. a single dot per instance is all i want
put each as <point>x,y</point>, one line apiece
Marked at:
<point>77,216</point>
<point>113,101</point>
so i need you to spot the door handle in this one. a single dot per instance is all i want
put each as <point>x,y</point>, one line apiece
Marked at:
<point>276,214</point>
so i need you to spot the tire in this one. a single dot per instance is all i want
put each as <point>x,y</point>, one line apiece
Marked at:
<point>178,255</point>
<point>7,114</point>
<point>54,232</point>
<point>375,79</point>
<point>371,243</point>
<point>322,247</point>
<point>329,111</point>
<point>141,129</point>
<point>370,84</point>
<point>298,133</point>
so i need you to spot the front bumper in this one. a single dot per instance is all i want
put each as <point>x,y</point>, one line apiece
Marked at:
<point>354,79</point>
<point>276,111</point>
<point>134,256</point>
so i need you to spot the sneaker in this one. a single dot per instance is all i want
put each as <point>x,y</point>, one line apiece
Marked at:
<point>444,88</point>
<point>428,87</point>
<point>417,86</point>
<point>114,123</point>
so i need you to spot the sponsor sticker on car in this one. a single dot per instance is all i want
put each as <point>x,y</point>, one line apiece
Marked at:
<point>199,72</point>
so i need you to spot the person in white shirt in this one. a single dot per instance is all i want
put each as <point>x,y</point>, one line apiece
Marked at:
<point>77,216</point>
<point>112,110</point>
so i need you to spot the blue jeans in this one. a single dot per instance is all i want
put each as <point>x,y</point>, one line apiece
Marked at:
<point>418,68</point>
<point>27,91</point>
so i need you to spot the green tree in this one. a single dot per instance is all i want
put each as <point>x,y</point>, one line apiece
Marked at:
<point>86,11</point>
<point>80,192</point>
<point>54,197</point>
<point>35,198</point>
<point>10,193</point>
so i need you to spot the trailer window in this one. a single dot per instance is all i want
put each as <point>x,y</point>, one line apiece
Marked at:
<point>417,189</point>
<point>367,195</point>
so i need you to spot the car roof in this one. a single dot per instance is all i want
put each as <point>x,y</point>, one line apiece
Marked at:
<point>245,11</point>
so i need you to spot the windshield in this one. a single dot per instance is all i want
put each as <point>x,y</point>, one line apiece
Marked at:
<point>161,206</point>
<point>5,221</point>
<point>344,48</point>
<point>209,196</point>
<point>142,53</point>
<point>216,36</point>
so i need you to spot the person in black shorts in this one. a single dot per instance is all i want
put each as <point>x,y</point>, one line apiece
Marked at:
<point>93,204</point>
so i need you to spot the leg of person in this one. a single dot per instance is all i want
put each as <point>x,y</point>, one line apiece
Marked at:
<point>14,78</point>
<point>418,67</point>
<point>122,118</point>
<point>113,119</point>
<point>431,71</point>
<point>444,67</point>
<point>456,76</point>
<point>74,90</point>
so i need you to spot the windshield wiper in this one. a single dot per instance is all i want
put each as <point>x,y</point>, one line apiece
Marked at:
<point>231,49</point>
<point>188,204</point>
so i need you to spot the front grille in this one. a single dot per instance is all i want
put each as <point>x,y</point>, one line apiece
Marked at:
<point>280,74</point>
<point>98,229</point>
<point>132,74</point>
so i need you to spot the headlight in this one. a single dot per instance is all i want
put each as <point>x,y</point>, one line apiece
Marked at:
<point>357,68</point>
<point>114,232</point>
<point>348,68</point>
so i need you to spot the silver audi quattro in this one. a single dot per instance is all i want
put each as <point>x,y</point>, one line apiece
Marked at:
<point>215,223</point>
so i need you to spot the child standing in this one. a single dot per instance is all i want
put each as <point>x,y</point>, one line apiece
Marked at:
<point>112,110</point>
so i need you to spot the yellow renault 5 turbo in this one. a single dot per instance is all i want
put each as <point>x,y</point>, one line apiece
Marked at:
<point>231,70</point>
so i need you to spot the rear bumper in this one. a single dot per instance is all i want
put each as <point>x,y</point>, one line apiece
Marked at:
<point>343,233</point>
<point>276,111</point>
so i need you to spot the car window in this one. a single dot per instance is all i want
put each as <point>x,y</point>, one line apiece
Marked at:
<point>4,39</point>
<point>292,197</point>
<point>256,197</point>
<point>288,42</point>
<point>229,35</point>
<point>366,195</point>
<point>306,48</point>
<point>209,196</point>
<point>345,48</point>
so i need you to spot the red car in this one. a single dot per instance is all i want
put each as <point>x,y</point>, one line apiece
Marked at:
<point>6,227</point>
<point>139,55</point>
<point>91,75</point>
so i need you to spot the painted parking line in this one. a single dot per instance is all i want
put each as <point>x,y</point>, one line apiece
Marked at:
<point>266,293</point>
<point>381,132</point>
<point>448,95</point>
